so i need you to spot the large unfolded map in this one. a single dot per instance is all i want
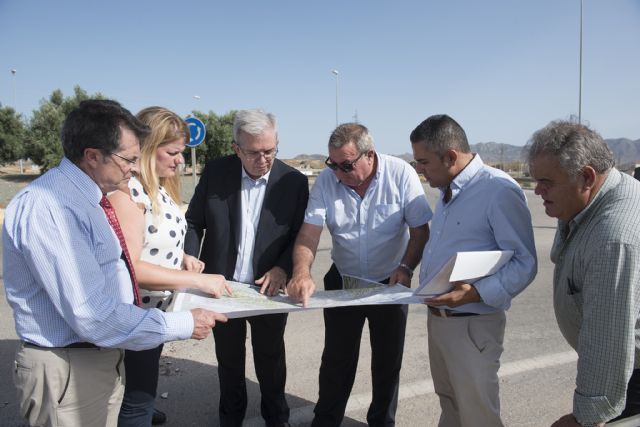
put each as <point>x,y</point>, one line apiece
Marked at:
<point>247,301</point>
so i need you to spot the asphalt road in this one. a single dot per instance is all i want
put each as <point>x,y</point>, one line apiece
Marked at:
<point>537,373</point>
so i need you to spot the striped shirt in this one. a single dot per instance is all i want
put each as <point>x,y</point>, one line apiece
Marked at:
<point>63,274</point>
<point>597,298</point>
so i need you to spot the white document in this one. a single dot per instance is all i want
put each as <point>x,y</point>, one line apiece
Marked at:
<point>465,266</point>
<point>248,301</point>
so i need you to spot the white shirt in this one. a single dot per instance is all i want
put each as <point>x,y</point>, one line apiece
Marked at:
<point>370,234</point>
<point>251,198</point>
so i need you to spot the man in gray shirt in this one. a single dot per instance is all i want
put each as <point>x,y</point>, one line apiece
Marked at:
<point>596,252</point>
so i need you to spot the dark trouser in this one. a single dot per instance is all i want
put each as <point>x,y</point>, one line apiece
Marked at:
<point>632,407</point>
<point>267,339</point>
<point>141,368</point>
<point>343,330</point>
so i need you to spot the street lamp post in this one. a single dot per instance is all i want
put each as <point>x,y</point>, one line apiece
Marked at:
<point>13,79</point>
<point>580,72</point>
<point>13,74</point>
<point>335,73</point>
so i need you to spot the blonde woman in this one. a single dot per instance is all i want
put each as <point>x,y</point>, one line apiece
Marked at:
<point>154,228</point>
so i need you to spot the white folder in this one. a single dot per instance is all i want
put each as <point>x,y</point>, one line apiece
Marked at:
<point>467,267</point>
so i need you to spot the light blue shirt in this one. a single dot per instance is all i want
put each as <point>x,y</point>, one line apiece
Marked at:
<point>370,234</point>
<point>251,199</point>
<point>63,274</point>
<point>488,212</point>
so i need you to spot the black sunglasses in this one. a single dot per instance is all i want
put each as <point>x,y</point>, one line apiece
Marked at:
<point>345,167</point>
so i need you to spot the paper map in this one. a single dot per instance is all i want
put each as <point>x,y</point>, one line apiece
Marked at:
<point>247,300</point>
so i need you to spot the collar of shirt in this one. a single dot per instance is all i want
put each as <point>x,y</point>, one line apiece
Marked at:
<point>465,176</point>
<point>87,187</point>
<point>612,179</point>
<point>264,178</point>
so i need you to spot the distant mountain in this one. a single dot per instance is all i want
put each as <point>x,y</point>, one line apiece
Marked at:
<point>625,151</point>
<point>407,157</point>
<point>310,157</point>
<point>495,152</point>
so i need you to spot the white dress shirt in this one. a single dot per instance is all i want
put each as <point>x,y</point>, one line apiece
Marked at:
<point>251,199</point>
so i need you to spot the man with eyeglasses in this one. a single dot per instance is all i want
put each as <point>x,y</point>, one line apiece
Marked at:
<point>67,279</point>
<point>251,206</point>
<point>376,211</point>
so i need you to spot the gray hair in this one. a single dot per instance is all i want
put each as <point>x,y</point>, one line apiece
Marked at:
<point>254,122</point>
<point>573,144</point>
<point>352,132</point>
<point>440,133</point>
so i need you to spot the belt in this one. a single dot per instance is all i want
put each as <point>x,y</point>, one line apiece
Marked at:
<point>445,312</point>
<point>72,345</point>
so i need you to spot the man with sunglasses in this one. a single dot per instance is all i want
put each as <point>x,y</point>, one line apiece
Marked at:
<point>67,279</point>
<point>251,206</point>
<point>376,211</point>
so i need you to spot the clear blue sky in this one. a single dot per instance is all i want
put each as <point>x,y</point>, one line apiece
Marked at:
<point>502,68</point>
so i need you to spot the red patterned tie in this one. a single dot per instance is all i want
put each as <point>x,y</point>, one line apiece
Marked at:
<point>113,221</point>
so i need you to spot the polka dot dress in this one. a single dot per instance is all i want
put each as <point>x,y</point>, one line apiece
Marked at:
<point>163,238</point>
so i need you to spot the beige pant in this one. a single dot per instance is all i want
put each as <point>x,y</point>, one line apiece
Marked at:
<point>69,387</point>
<point>464,353</point>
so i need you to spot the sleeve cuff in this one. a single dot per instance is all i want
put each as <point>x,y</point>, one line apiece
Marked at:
<point>492,294</point>
<point>592,410</point>
<point>314,219</point>
<point>179,325</point>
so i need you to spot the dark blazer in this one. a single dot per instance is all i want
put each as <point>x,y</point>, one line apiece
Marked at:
<point>215,207</point>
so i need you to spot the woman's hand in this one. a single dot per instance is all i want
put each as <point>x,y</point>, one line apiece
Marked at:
<point>214,284</point>
<point>191,263</point>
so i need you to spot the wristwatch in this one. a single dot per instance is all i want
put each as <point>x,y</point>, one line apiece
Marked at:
<point>406,268</point>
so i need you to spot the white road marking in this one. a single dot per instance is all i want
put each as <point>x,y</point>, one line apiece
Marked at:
<point>304,415</point>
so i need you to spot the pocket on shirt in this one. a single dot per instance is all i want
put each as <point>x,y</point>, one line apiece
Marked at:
<point>387,218</point>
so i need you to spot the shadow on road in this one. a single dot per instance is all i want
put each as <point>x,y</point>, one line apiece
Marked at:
<point>190,387</point>
<point>20,179</point>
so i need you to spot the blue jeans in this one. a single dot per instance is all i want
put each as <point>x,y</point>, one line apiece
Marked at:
<point>141,369</point>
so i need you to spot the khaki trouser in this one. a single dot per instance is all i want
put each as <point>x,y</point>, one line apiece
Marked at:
<point>464,354</point>
<point>69,386</point>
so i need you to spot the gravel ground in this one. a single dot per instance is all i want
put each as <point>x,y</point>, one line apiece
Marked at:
<point>11,183</point>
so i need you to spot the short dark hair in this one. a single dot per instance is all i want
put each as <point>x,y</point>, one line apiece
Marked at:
<point>96,123</point>
<point>441,133</point>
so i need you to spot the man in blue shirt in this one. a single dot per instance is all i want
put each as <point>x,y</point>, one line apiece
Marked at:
<point>376,211</point>
<point>65,278</point>
<point>481,209</point>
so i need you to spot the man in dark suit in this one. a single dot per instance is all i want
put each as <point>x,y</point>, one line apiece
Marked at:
<point>251,206</point>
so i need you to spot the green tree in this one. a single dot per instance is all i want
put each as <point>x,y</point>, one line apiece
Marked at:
<point>219,137</point>
<point>12,132</point>
<point>43,134</point>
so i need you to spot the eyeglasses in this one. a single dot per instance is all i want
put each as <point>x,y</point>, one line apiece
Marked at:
<point>255,155</point>
<point>126,159</point>
<point>345,167</point>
